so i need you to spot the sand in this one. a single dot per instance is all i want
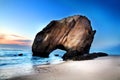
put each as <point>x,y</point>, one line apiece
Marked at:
<point>104,68</point>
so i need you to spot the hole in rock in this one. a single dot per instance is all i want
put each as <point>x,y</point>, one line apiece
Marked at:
<point>57,53</point>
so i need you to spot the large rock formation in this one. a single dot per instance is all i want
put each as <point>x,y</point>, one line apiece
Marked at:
<point>73,34</point>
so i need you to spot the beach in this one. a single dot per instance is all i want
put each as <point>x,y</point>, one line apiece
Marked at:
<point>102,68</point>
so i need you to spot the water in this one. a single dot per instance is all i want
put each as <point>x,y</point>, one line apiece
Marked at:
<point>12,63</point>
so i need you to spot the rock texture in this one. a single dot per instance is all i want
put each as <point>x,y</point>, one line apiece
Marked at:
<point>73,34</point>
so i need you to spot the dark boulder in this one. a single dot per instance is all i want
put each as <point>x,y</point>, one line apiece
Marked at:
<point>56,54</point>
<point>20,54</point>
<point>84,56</point>
<point>73,34</point>
<point>100,54</point>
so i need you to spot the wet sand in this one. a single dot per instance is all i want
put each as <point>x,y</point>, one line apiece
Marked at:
<point>104,68</point>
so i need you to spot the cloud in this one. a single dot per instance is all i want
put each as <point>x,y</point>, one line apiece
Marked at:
<point>23,42</point>
<point>17,36</point>
<point>1,37</point>
<point>14,39</point>
<point>14,46</point>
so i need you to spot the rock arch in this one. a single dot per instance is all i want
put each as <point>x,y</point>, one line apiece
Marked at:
<point>73,34</point>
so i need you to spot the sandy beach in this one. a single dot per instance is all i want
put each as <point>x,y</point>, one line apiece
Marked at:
<point>103,68</point>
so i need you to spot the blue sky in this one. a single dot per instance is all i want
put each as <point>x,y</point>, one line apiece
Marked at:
<point>24,18</point>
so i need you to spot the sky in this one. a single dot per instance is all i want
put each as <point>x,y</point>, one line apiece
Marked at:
<point>21,20</point>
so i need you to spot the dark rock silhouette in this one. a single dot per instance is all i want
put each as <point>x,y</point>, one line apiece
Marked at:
<point>73,34</point>
<point>85,56</point>
<point>20,54</point>
<point>56,54</point>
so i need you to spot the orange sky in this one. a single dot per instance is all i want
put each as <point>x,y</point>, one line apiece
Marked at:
<point>14,39</point>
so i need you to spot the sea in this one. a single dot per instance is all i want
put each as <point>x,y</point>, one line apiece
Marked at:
<point>18,62</point>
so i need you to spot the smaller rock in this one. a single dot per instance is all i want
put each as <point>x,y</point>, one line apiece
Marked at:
<point>56,54</point>
<point>84,56</point>
<point>20,54</point>
<point>101,54</point>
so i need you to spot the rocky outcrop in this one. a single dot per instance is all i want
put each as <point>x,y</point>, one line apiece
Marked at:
<point>73,34</point>
<point>85,56</point>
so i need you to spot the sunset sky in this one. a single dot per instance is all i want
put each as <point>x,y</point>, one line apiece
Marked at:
<point>20,20</point>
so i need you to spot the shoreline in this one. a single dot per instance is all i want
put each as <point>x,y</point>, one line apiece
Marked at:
<point>102,68</point>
